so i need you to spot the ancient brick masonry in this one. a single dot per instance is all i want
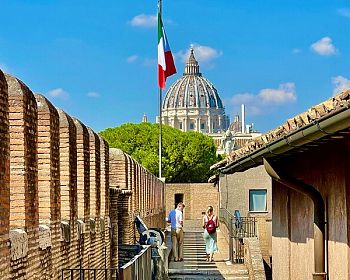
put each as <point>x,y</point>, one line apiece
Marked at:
<point>59,202</point>
<point>4,179</point>
<point>48,187</point>
<point>23,180</point>
<point>83,192</point>
<point>141,194</point>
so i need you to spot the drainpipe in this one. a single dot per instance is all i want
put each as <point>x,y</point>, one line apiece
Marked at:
<point>319,215</point>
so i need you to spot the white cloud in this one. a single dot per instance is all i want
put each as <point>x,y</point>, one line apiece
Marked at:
<point>93,94</point>
<point>296,51</point>
<point>345,12</point>
<point>144,20</point>
<point>324,46</point>
<point>257,103</point>
<point>58,93</point>
<point>132,58</point>
<point>203,54</point>
<point>283,94</point>
<point>340,83</point>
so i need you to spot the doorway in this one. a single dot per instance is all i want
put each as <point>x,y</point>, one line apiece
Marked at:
<point>179,197</point>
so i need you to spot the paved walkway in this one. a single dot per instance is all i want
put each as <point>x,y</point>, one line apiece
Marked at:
<point>195,266</point>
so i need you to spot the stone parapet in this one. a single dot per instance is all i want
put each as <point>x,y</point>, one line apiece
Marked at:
<point>253,259</point>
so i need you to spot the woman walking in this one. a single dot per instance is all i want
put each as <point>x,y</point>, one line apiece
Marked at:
<point>210,224</point>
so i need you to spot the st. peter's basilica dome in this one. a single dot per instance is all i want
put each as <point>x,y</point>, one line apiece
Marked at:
<point>192,103</point>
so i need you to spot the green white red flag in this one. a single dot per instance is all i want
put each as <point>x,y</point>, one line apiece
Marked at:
<point>166,66</point>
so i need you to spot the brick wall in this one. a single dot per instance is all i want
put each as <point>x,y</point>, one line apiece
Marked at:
<point>23,176</point>
<point>68,181</point>
<point>141,194</point>
<point>4,180</point>
<point>196,197</point>
<point>83,190</point>
<point>55,177</point>
<point>49,184</point>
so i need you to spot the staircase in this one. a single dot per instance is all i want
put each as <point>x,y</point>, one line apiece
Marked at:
<point>195,266</point>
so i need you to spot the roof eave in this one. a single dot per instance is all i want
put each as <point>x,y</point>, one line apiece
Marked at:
<point>329,124</point>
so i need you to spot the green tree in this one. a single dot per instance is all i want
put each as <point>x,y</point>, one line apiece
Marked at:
<point>186,156</point>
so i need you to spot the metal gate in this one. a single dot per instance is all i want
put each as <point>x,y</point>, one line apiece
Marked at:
<point>239,228</point>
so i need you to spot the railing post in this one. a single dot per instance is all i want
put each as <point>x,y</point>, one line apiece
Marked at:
<point>231,239</point>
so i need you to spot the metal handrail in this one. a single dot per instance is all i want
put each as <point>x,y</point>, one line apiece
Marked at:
<point>238,228</point>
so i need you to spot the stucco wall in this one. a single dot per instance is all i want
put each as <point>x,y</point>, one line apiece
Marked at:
<point>234,190</point>
<point>324,168</point>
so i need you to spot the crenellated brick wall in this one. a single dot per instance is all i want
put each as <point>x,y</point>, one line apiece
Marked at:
<point>141,194</point>
<point>49,185</point>
<point>4,180</point>
<point>24,222</point>
<point>59,205</point>
<point>68,181</point>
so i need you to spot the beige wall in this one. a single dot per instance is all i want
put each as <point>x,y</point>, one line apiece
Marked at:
<point>197,197</point>
<point>234,190</point>
<point>325,168</point>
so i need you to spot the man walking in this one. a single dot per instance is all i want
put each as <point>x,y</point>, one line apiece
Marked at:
<point>177,234</point>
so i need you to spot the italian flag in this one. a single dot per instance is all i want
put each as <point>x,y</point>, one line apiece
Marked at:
<point>166,66</point>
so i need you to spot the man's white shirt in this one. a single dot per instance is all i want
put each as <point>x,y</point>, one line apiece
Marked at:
<point>176,218</point>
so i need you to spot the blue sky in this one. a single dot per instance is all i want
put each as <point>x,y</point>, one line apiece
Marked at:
<point>97,59</point>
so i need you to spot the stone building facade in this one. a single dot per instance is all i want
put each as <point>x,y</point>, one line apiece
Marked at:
<point>55,195</point>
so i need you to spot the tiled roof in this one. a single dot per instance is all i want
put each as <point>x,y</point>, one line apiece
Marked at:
<point>331,105</point>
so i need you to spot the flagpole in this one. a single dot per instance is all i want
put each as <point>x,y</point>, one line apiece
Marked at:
<point>160,111</point>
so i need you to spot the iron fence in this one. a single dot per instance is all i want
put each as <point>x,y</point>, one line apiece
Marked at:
<point>90,274</point>
<point>238,228</point>
<point>139,267</point>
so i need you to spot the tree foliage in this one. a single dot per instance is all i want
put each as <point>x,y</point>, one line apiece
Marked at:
<point>186,156</point>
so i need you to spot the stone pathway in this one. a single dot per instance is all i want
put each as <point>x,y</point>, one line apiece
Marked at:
<point>195,266</point>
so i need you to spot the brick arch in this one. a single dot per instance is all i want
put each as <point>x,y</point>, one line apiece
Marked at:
<point>4,178</point>
<point>23,174</point>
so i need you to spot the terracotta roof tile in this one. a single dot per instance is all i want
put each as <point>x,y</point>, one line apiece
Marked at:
<point>314,113</point>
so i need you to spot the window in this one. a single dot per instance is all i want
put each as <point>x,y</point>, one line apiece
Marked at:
<point>202,125</point>
<point>191,125</point>
<point>257,200</point>
<point>180,125</point>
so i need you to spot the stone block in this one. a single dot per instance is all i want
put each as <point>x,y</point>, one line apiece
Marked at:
<point>92,225</point>
<point>44,237</point>
<point>80,229</point>
<point>19,244</point>
<point>65,231</point>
